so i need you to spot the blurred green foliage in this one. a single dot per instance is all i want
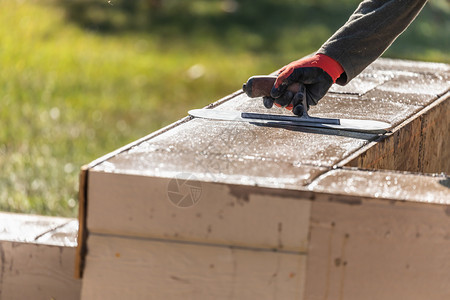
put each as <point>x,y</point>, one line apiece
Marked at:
<point>81,78</point>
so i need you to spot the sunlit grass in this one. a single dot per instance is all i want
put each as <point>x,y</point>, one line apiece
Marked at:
<point>71,93</point>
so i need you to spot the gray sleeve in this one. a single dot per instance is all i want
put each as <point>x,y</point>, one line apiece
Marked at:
<point>369,31</point>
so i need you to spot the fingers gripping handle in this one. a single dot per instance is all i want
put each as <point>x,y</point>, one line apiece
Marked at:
<point>304,103</point>
<point>260,86</point>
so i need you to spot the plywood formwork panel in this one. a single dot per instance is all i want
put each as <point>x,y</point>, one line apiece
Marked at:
<point>378,249</point>
<point>222,214</point>
<point>37,271</point>
<point>123,268</point>
<point>37,257</point>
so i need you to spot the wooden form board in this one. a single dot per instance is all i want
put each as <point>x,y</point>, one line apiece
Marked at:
<point>372,249</point>
<point>231,215</point>
<point>152,269</point>
<point>37,271</point>
<point>344,245</point>
<point>80,253</point>
<point>234,240</point>
<point>37,257</point>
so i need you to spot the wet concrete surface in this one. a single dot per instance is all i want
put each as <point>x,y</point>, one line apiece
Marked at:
<point>236,148</point>
<point>378,94</point>
<point>335,106</point>
<point>64,235</point>
<point>38,229</point>
<point>416,83</point>
<point>218,151</point>
<point>385,185</point>
<point>408,65</point>
<point>214,167</point>
<point>364,82</point>
<point>338,106</point>
<point>237,152</point>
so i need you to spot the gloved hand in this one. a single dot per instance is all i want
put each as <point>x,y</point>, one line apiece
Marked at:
<point>317,73</point>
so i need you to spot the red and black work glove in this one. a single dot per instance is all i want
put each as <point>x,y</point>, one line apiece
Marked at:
<point>316,73</point>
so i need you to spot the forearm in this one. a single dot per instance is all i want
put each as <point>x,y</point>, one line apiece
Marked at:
<point>370,30</point>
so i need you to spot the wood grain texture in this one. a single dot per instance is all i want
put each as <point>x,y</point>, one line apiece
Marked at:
<point>123,268</point>
<point>37,271</point>
<point>243,216</point>
<point>420,145</point>
<point>375,249</point>
<point>82,231</point>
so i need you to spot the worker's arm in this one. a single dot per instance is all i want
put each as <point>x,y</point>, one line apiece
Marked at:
<point>369,31</point>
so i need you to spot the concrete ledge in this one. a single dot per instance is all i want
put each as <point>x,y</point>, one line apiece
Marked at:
<point>37,257</point>
<point>384,184</point>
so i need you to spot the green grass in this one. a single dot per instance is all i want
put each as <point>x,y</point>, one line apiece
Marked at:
<point>80,79</point>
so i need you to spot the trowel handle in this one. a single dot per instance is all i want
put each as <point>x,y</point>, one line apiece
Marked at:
<point>260,86</point>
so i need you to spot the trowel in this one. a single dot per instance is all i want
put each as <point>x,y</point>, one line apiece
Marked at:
<point>259,86</point>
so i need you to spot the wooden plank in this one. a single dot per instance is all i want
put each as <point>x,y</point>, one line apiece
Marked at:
<point>37,257</point>
<point>434,150</point>
<point>124,268</point>
<point>378,249</point>
<point>223,214</point>
<point>421,144</point>
<point>37,271</point>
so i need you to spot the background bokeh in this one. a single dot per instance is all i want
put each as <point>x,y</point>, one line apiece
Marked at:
<point>81,78</point>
